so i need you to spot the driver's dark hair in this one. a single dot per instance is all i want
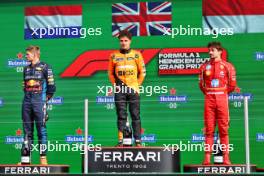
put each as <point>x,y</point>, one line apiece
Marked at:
<point>125,33</point>
<point>216,45</point>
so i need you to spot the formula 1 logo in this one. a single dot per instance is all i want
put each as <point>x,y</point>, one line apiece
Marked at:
<point>90,62</point>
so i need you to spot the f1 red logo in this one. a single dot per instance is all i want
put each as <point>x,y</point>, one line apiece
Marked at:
<point>89,62</point>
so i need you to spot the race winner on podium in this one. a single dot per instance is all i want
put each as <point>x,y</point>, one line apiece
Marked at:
<point>126,72</point>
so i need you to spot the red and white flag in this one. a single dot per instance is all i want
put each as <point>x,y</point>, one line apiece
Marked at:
<point>244,16</point>
<point>53,22</point>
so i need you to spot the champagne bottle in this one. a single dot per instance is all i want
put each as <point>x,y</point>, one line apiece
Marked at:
<point>25,152</point>
<point>218,153</point>
<point>127,135</point>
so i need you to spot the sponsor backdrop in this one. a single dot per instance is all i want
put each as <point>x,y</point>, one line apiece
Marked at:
<point>172,114</point>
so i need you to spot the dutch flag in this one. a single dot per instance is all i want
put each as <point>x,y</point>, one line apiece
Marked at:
<point>50,22</point>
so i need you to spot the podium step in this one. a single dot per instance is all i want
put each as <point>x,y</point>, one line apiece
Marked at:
<point>260,169</point>
<point>33,169</point>
<point>218,169</point>
<point>133,159</point>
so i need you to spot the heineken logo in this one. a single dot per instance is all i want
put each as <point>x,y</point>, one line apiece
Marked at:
<point>17,63</point>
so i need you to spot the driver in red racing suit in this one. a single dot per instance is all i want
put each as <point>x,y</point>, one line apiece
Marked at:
<point>217,79</point>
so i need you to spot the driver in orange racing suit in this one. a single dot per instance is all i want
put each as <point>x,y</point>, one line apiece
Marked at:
<point>217,80</point>
<point>127,72</point>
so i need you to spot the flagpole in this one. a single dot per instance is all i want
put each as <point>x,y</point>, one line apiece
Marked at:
<point>86,136</point>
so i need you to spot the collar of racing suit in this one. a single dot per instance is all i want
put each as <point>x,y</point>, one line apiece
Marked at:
<point>213,90</point>
<point>125,51</point>
<point>215,61</point>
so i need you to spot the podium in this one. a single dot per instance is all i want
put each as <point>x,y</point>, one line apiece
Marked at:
<point>133,159</point>
<point>33,169</point>
<point>260,169</point>
<point>218,169</point>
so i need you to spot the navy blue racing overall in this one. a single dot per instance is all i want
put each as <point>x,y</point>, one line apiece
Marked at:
<point>39,86</point>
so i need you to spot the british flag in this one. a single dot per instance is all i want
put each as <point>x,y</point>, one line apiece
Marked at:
<point>142,18</point>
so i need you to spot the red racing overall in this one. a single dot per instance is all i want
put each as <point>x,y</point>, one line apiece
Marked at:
<point>216,80</point>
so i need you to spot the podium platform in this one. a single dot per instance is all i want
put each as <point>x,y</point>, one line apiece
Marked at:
<point>133,159</point>
<point>260,169</point>
<point>33,169</point>
<point>218,169</point>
